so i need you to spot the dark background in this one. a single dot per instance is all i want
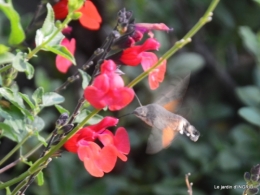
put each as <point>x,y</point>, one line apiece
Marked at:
<point>220,63</point>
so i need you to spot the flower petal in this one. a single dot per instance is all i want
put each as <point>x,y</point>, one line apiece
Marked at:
<point>90,17</point>
<point>90,157</point>
<point>60,9</point>
<point>62,63</point>
<point>102,125</point>
<point>108,157</point>
<point>121,98</point>
<point>148,60</point>
<point>121,140</point>
<point>157,76</point>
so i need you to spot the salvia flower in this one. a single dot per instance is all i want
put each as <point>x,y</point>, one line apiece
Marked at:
<point>62,63</point>
<point>133,56</point>
<point>100,159</point>
<point>90,17</point>
<point>108,89</point>
<point>138,54</point>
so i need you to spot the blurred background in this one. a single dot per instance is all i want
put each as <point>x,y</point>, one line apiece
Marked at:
<point>222,102</point>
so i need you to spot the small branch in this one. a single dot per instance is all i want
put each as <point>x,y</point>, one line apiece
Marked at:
<point>9,166</point>
<point>189,185</point>
<point>15,148</point>
<point>36,15</point>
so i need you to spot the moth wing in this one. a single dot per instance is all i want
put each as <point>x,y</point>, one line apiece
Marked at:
<point>162,138</point>
<point>171,99</point>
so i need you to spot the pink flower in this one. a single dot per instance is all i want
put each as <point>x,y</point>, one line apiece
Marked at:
<point>99,160</point>
<point>62,63</point>
<point>108,89</point>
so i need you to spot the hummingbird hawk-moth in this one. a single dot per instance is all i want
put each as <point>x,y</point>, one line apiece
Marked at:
<point>165,123</point>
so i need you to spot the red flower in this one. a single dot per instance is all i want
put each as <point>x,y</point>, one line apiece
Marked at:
<point>62,63</point>
<point>90,17</point>
<point>157,75</point>
<point>133,56</point>
<point>98,160</point>
<point>108,89</point>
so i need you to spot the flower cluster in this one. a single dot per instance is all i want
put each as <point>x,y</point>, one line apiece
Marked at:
<point>107,88</point>
<point>99,160</point>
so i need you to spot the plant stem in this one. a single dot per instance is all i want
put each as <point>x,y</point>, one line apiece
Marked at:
<point>39,47</point>
<point>15,148</point>
<point>22,157</point>
<point>62,142</point>
<point>207,17</point>
<point>34,168</point>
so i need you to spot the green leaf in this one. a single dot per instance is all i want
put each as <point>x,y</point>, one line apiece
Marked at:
<point>250,40</point>
<point>85,78</point>
<point>8,132</point>
<point>62,51</point>
<point>47,31</point>
<point>27,100</point>
<point>61,109</point>
<point>16,120</point>
<point>249,95</point>
<point>16,100</point>
<point>17,34</point>
<point>252,115</point>
<point>257,1</point>
<point>37,124</point>
<point>37,96</point>
<point>185,63</point>
<point>3,49</point>
<point>51,98</point>
<point>21,64</point>
<point>6,58</point>
<point>84,113</point>
<point>40,178</point>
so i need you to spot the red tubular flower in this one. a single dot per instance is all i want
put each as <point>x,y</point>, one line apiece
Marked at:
<point>90,17</point>
<point>108,89</point>
<point>97,160</point>
<point>62,63</point>
<point>147,28</point>
<point>133,56</point>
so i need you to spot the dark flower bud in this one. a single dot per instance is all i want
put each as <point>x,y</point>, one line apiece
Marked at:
<point>247,176</point>
<point>62,119</point>
<point>252,191</point>
<point>254,177</point>
<point>65,129</point>
<point>129,14</point>
<point>255,170</point>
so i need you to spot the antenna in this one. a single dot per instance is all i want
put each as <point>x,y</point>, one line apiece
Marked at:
<point>138,100</point>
